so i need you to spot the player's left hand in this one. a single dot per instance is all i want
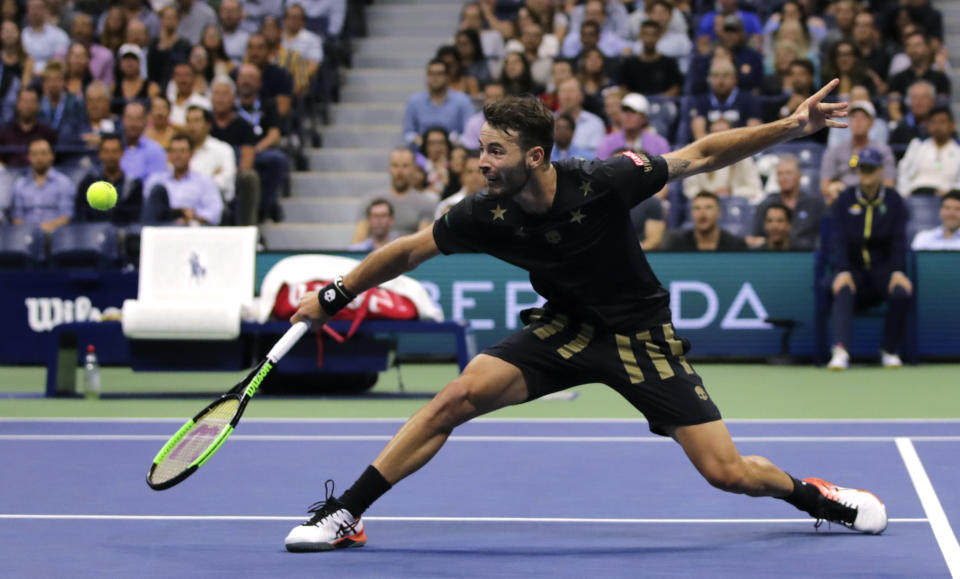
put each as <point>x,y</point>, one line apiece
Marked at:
<point>309,310</point>
<point>898,278</point>
<point>813,114</point>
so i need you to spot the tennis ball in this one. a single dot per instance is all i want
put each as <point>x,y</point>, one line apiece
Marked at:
<point>101,195</point>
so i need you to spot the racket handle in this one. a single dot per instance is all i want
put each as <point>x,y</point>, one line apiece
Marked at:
<point>287,341</point>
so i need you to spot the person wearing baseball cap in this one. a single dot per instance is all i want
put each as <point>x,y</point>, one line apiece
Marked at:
<point>636,134</point>
<point>838,166</point>
<point>869,250</point>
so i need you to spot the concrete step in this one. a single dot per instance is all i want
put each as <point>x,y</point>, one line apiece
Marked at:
<point>306,236</point>
<point>414,43</point>
<point>367,113</point>
<point>362,135</point>
<point>401,59</point>
<point>385,76</point>
<point>326,210</point>
<point>409,27</point>
<point>418,8</point>
<point>359,159</point>
<point>417,2</point>
<point>325,184</point>
<point>387,93</point>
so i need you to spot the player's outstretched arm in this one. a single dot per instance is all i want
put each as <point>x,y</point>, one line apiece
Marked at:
<point>390,261</point>
<point>718,150</point>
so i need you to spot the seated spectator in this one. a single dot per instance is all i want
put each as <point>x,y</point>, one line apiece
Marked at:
<point>24,129</point>
<point>844,14</point>
<point>234,36</point>
<point>435,152</point>
<point>471,133</point>
<point>211,156</point>
<point>648,71</point>
<point>114,28</point>
<point>594,33</point>
<point>270,161</point>
<point>181,196</point>
<point>593,78</point>
<point>611,16</point>
<point>917,47</point>
<point>131,85</point>
<point>137,36</point>
<point>797,86</point>
<point>612,108</point>
<point>777,222</point>
<point>879,133</point>
<point>275,84</point>
<point>868,273</point>
<point>921,97</point>
<point>129,191</point>
<point>99,58</point>
<point>140,11</point>
<point>844,63</point>
<point>183,86</point>
<point>17,68</point>
<point>672,31</point>
<point>324,17</point>
<point>538,53</point>
<point>866,41</point>
<point>947,235</point>
<point>564,128</point>
<point>297,37</point>
<point>100,121</point>
<point>159,128</point>
<point>45,196</point>
<point>458,81</point>
<point>712,23</point>
<point>142,157</point>
<point>806,209</point>
<point>795,33</point>
<point>724,101</point>
<point>254,11</point>
<point>559,72</point>
<point>931,166</point>
<point>220,63</point>
<point>516,77</point>
<point>636,134</point>
<point>590,129</point>
<point>776,79</point>
<point>467,43</point>
<point>437,106</point>
<point>238,133</point>
<point>472,180</point>
<point>649,221</point>
<point>76,74</point>
<point>838,166</point>
<point>291,61</point>
<point>458,158</point>
<point>472,17</point>
<point>706,234</point>
<point>413,208</point>
<point>60,110</point>
<point>194,17</point>
<point>742,179</point>
<point>380,220</point>
<point>748,60</point>
<point>167,49</point>
<point>41,39</point>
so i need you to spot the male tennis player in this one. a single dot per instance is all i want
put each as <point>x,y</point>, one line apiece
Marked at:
<point>606,319</point>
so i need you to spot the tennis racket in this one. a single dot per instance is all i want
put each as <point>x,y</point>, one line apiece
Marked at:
<point>202,435</point>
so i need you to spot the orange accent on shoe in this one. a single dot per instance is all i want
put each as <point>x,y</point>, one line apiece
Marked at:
<point>829,489</point>
<point>359,538</point>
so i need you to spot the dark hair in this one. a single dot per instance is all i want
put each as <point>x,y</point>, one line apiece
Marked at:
<point>707,195</point>
<point>918,30</point>
<point>379,201</point>
<point>434,129</point>
<point>110,137</point>
<point>955,195</point>
<point>474,37</point>
<point>37,140</point>
<point>778,205</point>
<point>805,63</point>
<point>568,118</point>
<point>29,88</point>
<point>527,118</point>
<point>450,50</point>
<point>650,24</point>
<point>524,85</point>
<point>221,53</point>
<point>663,3</point>
<point>183,138</point>
<point>207,115</point>
<point>941,110</point>
<point>437,60</point>
<point>589,24</point>
<point>472,154</point>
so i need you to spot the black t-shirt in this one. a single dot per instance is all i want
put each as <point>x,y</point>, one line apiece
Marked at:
<point>902,81</point>
<point>237,133</point>
<point>274,81</point>
<point>262,116</point>
<point>650,78</point>
<point>685,240</point>
<point>127,209</point>
<point>583,254</point>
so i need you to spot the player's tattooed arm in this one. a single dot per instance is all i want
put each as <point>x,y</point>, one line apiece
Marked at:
<point>676,168</point>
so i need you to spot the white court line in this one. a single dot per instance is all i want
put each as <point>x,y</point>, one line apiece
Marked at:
<point>567,520</point>
<point>455,438</point>
<point>67,419</point>
<point>931,506</point>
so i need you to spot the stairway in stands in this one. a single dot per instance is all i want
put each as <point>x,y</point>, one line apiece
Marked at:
<point>388,65</point>
<point>951,40</point>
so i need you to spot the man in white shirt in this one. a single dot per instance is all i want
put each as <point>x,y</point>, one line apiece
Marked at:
<point>42,40</point>
<point>296,37</point>
<point>932,165</point>
<point>590,129</point>
<point>181,196</point>
<point>234,37</point>
<point>211,157</point>
<point>947,236</point>
<point>183,96</point>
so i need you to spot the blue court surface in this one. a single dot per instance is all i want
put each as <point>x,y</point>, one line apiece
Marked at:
<point>505,498</point>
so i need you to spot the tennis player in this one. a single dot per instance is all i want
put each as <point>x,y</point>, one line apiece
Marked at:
<point>606,318</point>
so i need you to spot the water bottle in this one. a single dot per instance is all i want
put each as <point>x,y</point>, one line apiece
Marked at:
<point>91,374</point>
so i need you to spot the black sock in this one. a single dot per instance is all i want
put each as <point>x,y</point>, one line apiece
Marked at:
<point>804,496</point>
<point>369,487</point>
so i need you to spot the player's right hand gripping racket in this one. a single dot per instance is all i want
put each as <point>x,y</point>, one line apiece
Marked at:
<point>202,435</point>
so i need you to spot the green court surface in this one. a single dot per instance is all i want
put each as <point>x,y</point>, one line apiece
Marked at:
<point>740,390</point>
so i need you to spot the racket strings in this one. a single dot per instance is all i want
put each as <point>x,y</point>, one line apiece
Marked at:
<point>196,440</point>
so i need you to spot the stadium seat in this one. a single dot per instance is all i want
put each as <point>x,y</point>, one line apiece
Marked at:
<point>737,217</point>
<point>84,245</point>
<point>664,114</point>
<point>923,212</point>
<point>21,246</point>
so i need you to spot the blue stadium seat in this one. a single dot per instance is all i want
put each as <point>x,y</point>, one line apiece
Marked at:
<point>923,212</point>
<point>737,217</point>
<point>84,245</point>
<point>21,246</point>
<point>663,116</point>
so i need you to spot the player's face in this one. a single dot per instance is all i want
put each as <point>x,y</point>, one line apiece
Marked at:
<point>950,214</point>
<point>502,162</point>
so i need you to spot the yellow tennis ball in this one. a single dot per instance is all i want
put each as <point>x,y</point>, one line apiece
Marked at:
<point>101,195</point>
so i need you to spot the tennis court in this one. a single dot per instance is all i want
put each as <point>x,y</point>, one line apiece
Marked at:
<point>537,490</point>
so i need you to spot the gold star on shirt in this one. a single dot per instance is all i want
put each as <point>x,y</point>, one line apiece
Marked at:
<point>585,188</point>
<point>498,213</point>
<point>577,216</point>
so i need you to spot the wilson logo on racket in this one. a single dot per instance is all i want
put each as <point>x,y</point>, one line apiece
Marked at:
<point>258,379</point>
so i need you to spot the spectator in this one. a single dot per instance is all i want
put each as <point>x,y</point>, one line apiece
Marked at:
<point>838,167</point>
<point>844,23</point>
<point>42,40</point>
<point>99,58</point>
<point>869,252</point>
<point>712,22</point>
<point>917,47</point>
<point>612,17</point>
<point>648,218</point>
<point>648,71</point>
<point>24,129</point>
<point>914,11</point>
<point>471,133</point>
<point>168,49</point>
<point>749,61</point>
<point>269,160</point>
<point>194,17</point>
<point>472,180</point>
<point>159,128</point>
<point>129,191</point>
<point>139,11</point>
<point>794,32</point>
<point>16,70</point>
<point>77,75</point>
<point>516,77</point>
<point>564,128</point>
<point>879,132</point>
<point>435,159</point>
<point>742,179</point>
<point>142,157</point>
<point>60,110</point>
<point>538,54</point>
<point>211,156</point>
<point>276,84</point>
<point>706,234</point>
<point>235,38</point>
<point>931,166</point>
<point>380,220</point>
<point>220,63</point>
<point>202,66</point>
<point>596,31</point>
<point>254,11</point>
<point>298,38</point>
<point>114,29</point>
<point>100,121</point>
<point>844,63</point>
<point>797,87</point>
<point>672,32</point>
<point>947,235</point>
<point>593,78</point>
<point>561,71</point>
<point>325,17</point>
<point>413,209</point>
<point>458,81</point>
<point>467,43</point>
<point>636,134</point>
<point>724,101</point>
<point>238,133</point>
<point>866,41</point>
<point>289,60</point>
<point>458,158</point>
<point>590,129</point>
<point>805,209</point>
<point>184,85</point>
<point>472,18</point>
<point>438,105</point>
<point>44,197</point>
<point>612,111</point>
<point>777,223</point>
<point>921,97</point>
<point>131,86</point>
<point>181,196</point>
<point>137,36</point>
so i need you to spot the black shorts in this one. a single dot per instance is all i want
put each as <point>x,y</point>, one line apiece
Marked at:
<point>646,367</point>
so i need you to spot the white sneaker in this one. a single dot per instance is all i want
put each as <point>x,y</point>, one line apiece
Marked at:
<point>890,360</point>
<point>840,359</point>
<point>331,527</point>
<point>853,508</point>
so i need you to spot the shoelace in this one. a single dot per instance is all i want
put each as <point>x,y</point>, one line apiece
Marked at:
<point>326,507</point>
<point>833,510</point>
